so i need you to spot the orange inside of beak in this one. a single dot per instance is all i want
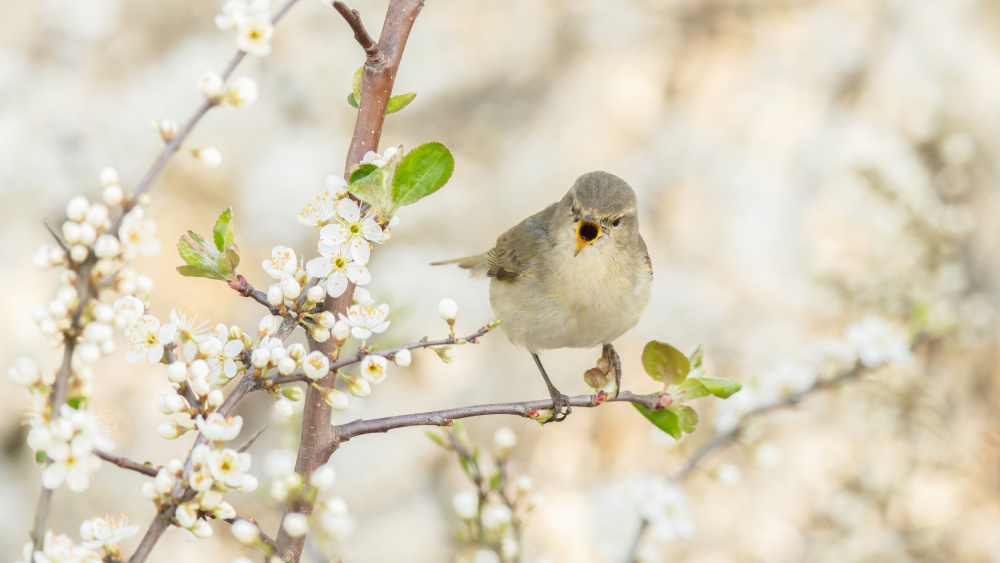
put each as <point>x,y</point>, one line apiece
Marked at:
<point>586,233</point>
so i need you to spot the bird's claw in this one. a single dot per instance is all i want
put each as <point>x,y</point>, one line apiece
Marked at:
<point>560,407</point>
<point>614,365</point>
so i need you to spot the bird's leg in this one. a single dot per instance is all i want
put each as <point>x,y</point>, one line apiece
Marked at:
<point>560,402</point>
<point>614,365</point>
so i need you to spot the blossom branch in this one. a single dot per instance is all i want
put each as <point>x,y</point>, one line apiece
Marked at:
<point>376,89</point>
<point>126,463</point>
<point>387,354</point>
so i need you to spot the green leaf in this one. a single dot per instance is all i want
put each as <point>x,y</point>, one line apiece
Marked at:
<point>686,418</point>
<point>353,101</point>
<point>721,388</point>
<point>692,388</point>
<point>468,465</point>
<point>40,456</point>
<point>674,420</point>
<point>423,171</point>
<point>665,420</point>
<point>228,261</point>
<point>399,102</point>
<point>364,174</point>
<point>75,402</point>
<point>356,83</point>
<point>199,272</point>
<point>223,230</point>
<point>665,363</point>
<point>196,252</point>
<point>495,481</point>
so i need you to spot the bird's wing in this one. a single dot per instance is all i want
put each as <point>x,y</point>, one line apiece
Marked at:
<point>515,249</point>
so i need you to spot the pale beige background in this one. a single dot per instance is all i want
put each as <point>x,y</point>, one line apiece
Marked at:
<point>742,124</point>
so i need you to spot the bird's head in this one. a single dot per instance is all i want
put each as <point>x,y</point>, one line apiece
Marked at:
<point>600,208</point>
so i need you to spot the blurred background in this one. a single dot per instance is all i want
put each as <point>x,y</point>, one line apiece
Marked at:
<point>799,163</point>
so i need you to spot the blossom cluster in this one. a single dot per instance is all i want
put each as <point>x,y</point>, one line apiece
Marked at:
<point>251,20</point>
<point>330,522</point>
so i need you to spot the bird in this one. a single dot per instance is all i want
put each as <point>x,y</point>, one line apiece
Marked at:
<point>576,274</point>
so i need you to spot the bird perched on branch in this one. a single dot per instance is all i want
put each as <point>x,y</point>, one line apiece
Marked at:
<point>574,275</point>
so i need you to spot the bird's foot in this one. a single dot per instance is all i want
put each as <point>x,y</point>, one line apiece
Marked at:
<point>614,363</point>
<point>560,406</point>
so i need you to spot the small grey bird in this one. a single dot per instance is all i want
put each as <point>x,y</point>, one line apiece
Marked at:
<point>574,275</point>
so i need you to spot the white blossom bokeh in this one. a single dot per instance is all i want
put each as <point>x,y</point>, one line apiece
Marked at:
<point>801,166</point>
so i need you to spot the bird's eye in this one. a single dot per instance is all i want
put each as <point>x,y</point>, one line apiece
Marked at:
<point>616,222</point>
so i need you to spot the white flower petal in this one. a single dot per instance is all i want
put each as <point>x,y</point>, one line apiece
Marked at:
<point>336,284</point>
<point>358,273</point>
<point>319,268</point>
<point>348,211</point>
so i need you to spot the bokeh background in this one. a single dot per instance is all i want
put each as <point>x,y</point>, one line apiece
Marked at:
<point>799,164</point>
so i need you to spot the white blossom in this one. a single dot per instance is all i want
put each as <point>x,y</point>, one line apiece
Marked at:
<point>336,267</point>
<point>242,92</point>
<point>218,428</point>
<point>283,261</point>
<point>100,532</point>
<point>315,365</point>
<point>147,338</point>
<point>211,85</point>
<point>24,371</point>
<point>137,235</point>
<point>373,369</point>
<point>365,320</point>
<point>295,524</point>
<point>353,230</point>
<point>504,440</point>
<point>466,505</point>
<point>324,209</point>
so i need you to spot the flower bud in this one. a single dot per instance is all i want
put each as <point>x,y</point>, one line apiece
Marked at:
<point>341,331</point>
<point>296,525</point>
<point>167,128</point>
<point>170,430</point>
<point>337,399</point>
<point>322,478</point>
<point>446,353</point>
<point>268,326</point>
<point>209,157</point>
<point>76,208</point>
<point>177,372</point>
<point>107,246</point>
<point>286,366</point>
<point>315,365</point>
<point>71,232</point>
<point>113,195</point>
<point>78,253</point>
<point>320,334</point>
<point>316,294</point>
<point>290,287</point>
<point>292,393</point>
<point>109,176</point>
<point>214,400</point>
<point>402,358</point>
<point>260,357</point>
<point>283,406</point>
<point>210,85</point>
<point>326,319</point>
<point>246,532</point>
<point>504,441</point>
<point>448,310</point>
<point>25,371</point>
<point>373,368</point>
<point>359,387</point>
<point>274,295</point>
<point>296,351</point>
<point>466,505</point>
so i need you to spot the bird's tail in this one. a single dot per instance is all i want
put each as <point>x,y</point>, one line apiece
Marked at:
<point>476,264</point>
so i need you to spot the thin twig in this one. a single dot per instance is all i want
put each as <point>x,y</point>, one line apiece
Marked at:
<point>388,354</point>
<point>246,445</point>
<point>446,417</point>
<point>373,55</point>
<point>633,550</point>
<point>724,438</point>
<point>126,463</point>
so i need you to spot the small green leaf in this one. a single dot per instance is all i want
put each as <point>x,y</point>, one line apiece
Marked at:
<point>692,388</point>
<point>199,272</point>
<point>399,102</point>
<point>686,418</point>
<point>364,174</point>
<point>228,261</point>
<point>665,363</point>
<point>468,465</point>
<point>665,420</point>
<point>495,481</point>
<point>75,402</point>
<point>423,171</point>
<point>40,456</point>
<point>721,388</point>
<point>356,83</point>
<point>353,101</point>
<point>196,252</point>
<point>223,230</point>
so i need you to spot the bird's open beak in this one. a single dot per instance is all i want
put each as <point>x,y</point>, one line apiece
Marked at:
<point>586,233</point>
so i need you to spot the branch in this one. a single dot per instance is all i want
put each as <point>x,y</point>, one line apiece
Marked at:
<point>345,432</point>
<point>724,438</point>
<point>125,463</point>
<point>388,354</point>
<point>376,89</point>
<point>373,55</point>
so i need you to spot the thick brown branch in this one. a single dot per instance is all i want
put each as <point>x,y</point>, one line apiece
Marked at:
<point>345,432</point>
<point>373,56</point>
<point>125,463</point>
